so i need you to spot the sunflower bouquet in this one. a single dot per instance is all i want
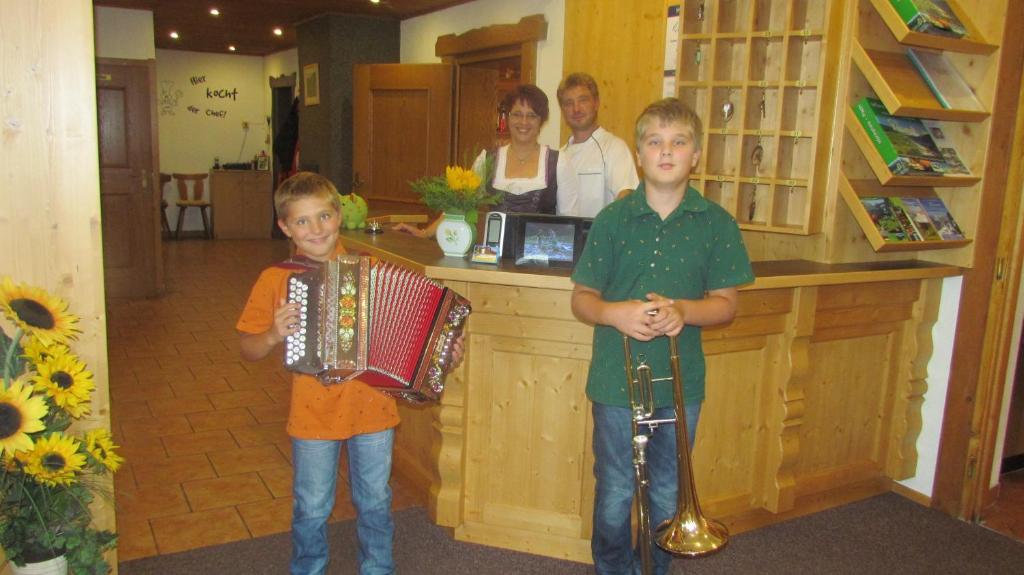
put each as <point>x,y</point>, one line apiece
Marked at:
<point>48,474</point>
<point>459,191</point>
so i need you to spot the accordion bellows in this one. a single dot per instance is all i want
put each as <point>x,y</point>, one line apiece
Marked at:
<point>380,323</point>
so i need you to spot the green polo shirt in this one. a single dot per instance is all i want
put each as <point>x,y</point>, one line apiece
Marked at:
<point>630,252</point>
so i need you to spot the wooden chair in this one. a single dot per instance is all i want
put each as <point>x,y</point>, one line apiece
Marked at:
<point>164,224</point>
<point>194,199</point>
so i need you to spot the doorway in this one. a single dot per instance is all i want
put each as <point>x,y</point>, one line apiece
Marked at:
<point>284,131</point>
<point>129,183</point>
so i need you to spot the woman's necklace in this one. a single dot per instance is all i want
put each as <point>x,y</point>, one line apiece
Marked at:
<point>523,158</point>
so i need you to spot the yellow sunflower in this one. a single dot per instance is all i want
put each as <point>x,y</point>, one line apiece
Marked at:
<point>100,444</point>
<point>37,352</point>
<point>66,380</point>
<point>54,460</point>
<point>37,312</point>
<point>20,414</point>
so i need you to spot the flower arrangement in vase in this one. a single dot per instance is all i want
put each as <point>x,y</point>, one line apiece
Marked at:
<point>459,193</point>
<point>48,474</point>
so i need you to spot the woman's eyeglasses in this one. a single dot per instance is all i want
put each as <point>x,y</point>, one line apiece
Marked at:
<point>528,116</point>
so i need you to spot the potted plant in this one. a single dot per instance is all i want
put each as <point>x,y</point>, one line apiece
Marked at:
<point>48,473</point>
<point>457,194</point>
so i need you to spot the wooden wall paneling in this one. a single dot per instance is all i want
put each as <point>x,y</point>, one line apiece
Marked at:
<point>430,442</point>
<point>782,403</point>
<point>49,165</point>
<point>621,45</point>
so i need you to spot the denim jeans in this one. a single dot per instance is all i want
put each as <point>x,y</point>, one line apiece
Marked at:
<point>613,501</point>
<point>313,485</point>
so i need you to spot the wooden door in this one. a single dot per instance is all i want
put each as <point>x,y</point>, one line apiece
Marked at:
<point>129,192</point>
<point>477,112</point>
<point>402,127</point>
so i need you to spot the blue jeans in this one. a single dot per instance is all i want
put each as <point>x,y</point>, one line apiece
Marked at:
<point>613,501</point>
<point>315,478</point>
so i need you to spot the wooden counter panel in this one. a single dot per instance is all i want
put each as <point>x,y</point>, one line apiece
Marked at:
<point>813,399</point>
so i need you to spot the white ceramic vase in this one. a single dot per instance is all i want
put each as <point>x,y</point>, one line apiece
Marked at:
<point>455,235</point>
<point>55,566</point>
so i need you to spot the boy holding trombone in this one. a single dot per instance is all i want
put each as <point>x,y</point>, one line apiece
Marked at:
<point>660,261</point>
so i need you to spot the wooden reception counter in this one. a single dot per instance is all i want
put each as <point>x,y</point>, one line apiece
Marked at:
<point>814,397</point>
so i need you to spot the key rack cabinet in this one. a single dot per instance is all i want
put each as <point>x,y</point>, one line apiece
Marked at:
<point>753,70</point>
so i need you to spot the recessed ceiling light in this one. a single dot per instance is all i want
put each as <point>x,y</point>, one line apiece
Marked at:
<point>174,35</point>
<point>374,1</point>
<point>278,32</point>
<point>231,48</point>
<point>214,12</point>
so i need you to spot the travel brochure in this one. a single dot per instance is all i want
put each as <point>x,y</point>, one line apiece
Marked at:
<point>907,145</point>
<point>931,17</point>
<point>910,219</point>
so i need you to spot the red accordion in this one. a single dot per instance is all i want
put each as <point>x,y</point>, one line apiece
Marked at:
<point>388,326</point>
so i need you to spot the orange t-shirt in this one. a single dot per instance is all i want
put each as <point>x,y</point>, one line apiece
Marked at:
<point>317,411</point>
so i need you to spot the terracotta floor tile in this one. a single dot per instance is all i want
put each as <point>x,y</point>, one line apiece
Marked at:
<point>278,481</point>
<point>195,347</point>
<point>247,459</point>
<point>142,391</point>
<point>142,448</point>
<point>221,419</point>
<point>158,374</point>
<point>172,470</point>
<point>255,380</point>
<point>280,394</point>
<point>222,370</point>
<point>239,398</point>
<point>193,387</point>
<point>184,363</point>
<point>131,409</point>
<point>124,478</point>
<point>261,434</point>
<point>170,338</point>
<point>275,413</point>
<point>225,491</point>
<point>199,442</point>
<point>156,426</point>
<point>134,539</point>
<point>285,447</point>
<point>152,501</point>
<point>267,517</point>
<point>180,406</point>
<point>199,529</point>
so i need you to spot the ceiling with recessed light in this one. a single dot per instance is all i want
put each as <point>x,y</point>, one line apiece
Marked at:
<point>248,24</point>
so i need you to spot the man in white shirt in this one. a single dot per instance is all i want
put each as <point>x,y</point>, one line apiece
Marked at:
<point>603,162</point>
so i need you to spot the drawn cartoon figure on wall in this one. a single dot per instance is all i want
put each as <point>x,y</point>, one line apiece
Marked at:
<point>169,96</point>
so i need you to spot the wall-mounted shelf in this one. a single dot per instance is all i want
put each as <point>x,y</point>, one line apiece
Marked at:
<point>881,169</point>
<point>972,43</point>
<point>753,71</point>
<point>880,67</point>
<point>900,87</point>
<point>853,190</point>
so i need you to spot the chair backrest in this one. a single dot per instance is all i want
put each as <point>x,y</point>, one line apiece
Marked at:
<point>198,185</point>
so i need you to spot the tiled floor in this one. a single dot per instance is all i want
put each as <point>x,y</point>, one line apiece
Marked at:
<point>1007,515</point>
<point>202,430</point>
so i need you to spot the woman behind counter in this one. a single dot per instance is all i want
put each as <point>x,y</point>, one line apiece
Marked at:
<point>532,177</point>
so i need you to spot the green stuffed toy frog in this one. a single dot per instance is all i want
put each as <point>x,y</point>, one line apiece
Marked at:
<point>353,212</point>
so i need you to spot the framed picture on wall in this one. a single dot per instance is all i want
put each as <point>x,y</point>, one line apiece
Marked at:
<point>311,84</point>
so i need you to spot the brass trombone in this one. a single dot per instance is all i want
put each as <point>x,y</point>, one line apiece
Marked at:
<point>689,533</point>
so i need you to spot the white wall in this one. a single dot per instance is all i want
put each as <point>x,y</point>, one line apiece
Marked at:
<point>121,33</point>
<point>934,405</point>
<point>418,36</point>
<point>203,101</point>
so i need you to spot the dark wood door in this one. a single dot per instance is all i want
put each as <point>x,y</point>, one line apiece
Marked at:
<point>129,189</point>
<point>402,127</point>
<point>478,112</point>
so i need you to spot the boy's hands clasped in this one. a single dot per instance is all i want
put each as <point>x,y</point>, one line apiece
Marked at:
<point>646,320</point>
